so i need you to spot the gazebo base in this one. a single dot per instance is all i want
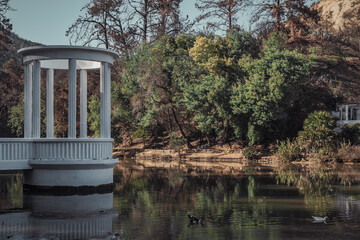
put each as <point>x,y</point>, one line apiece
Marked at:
<point>67,173</point>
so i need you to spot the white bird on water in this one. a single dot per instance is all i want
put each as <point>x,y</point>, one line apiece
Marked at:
<point>320,219</point>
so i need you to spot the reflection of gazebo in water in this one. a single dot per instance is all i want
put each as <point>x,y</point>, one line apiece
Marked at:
<point>67,161</point>
<point>60,217</point>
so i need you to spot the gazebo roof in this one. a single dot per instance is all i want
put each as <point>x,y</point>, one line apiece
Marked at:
<point>56,56</point>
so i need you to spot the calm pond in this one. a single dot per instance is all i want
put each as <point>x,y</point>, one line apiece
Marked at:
<point>154,203</point>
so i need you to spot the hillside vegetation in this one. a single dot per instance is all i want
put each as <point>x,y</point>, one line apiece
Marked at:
<point>337,47</point>
<point>17,43</point>
<point>338,15</point>
<point>173,87</point>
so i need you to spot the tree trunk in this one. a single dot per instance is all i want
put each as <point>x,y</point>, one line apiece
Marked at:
<point>188,144</point>
<point>163,24</point>
<point>225,135</point>
<point>105,30</point>
<point>278,16</point>
<point>208,140</point>
<point>230,16</point>
<point>169,120</point>
<point>145,24</point>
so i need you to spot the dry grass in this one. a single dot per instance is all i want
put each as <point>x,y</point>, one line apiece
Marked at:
<point>349,154</point>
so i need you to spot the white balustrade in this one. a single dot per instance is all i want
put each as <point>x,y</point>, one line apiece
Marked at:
<point>55,149</point>
<point>16,149</point>
<point>77,149</point>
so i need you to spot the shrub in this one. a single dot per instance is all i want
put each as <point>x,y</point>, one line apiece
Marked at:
<point>249,153</point>
<point>140,132</point>
<point>351,132</point>
<point>254,135</point>
<point>318,133</point>
<point>288,150</point>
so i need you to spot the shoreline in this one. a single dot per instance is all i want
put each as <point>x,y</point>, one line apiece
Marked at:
<point>210,154</point>
<point>212,161</point>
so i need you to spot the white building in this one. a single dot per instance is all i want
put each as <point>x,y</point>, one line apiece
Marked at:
<point>347,113</point>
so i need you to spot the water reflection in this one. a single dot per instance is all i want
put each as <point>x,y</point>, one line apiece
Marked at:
<point>11,191</point>
<point>154,203</point>
<point>59,217</point>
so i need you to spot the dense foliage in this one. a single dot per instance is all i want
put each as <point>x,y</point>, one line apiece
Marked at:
<point>219,89</point>
<point>318,131</point>
<point>5,26</point>
<point>192,88</point>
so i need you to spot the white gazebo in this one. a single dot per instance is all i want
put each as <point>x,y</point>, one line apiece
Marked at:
<point>75,160</point>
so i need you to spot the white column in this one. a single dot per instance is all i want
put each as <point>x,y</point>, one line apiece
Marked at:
<point>346,112</point>
<point>108,101</point>
<point>72,99</point>
<point>102,100</point>
<point>27,100</point>
<point>83,103</point>
<point>341,113</point>
<point>50,103</point>
<point>105,101</point>
<point>36,99</point>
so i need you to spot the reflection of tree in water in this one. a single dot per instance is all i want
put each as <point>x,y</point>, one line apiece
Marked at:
<point>316,182</point>
<point>156,200</point>
<point>220,199</point>
<point>12,188</point>
<point>251,187</point>
<point>254,214</point>
<point>16,191</point>
<point>348,175</point>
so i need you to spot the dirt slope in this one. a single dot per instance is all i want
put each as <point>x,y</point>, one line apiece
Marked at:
<point>338,13</point>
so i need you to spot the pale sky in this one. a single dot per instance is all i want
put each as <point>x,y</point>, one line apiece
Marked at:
<point>46,21</point>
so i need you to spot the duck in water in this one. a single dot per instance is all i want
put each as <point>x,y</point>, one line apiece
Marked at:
<point>195,220</point>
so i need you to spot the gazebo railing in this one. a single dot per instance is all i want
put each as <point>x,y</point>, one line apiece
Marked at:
<point>13,151</point>
<point>16,149</point>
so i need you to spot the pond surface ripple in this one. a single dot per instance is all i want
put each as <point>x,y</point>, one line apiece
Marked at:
<point>154,203</point>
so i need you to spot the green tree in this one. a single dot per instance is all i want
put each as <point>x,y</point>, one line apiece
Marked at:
<point>94,116</point>
<point>16,119</point>
<point>122,121</point>
<point>152,82</point>
<point>318,133</point>
<point>208,94</point>
<point>11,88</point>
<point>273,88</point>
<point>208,98</point>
